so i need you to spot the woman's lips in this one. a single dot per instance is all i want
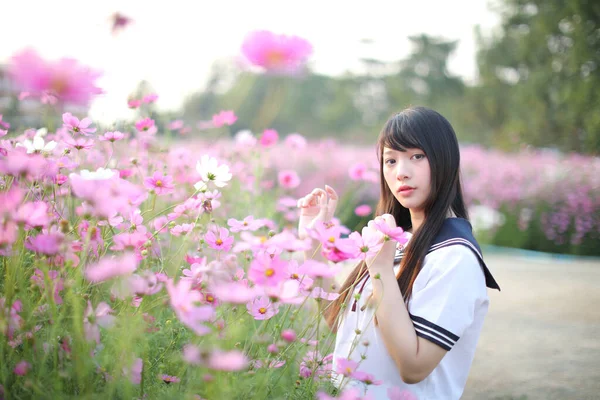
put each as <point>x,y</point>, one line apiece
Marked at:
<point>405,190</point>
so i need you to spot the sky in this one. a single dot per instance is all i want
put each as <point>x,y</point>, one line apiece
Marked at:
<point>172,44</point>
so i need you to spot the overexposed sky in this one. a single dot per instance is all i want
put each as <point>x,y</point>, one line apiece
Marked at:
<point>173,43</point>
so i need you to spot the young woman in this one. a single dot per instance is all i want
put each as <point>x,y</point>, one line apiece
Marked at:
<point>411,316</point>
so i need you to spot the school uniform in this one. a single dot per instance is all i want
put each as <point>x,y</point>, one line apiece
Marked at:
<point>448,305</point>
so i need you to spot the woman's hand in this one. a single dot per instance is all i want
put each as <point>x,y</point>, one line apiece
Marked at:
<point>384,259</point>
<point>318,205</point>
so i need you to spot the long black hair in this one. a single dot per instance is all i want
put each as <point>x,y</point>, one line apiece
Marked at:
<point>427,130</point>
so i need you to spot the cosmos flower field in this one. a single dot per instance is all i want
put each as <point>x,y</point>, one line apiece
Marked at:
<point>132,266</point>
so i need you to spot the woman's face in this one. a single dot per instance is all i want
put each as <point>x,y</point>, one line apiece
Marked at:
<point>408,176</point>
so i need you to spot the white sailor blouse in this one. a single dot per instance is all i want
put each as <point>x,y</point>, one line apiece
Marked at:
<point>448,305</point>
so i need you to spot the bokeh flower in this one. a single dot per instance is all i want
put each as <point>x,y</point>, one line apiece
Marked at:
<point>276,53</point>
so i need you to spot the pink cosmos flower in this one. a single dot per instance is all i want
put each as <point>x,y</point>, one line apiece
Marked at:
<point>175,125</point>
<point>314,363</point>
<point>368,244</point>
<point>269,138</point>
<point>276,53</point>
<point>346,367</point>
<point>45,243</point>
<point>34,214</point>
<point>184,302</point>
<point>79,143</point>
<point>360,172</point>
<point>93,319</point>
<point>150,98</point>
<point>73,124</point>
<point>219,240</point>
<point>368,379</point>
<point>182,229</point>
<point>248,224</point>
<point>65,80</point>
<point>234,292</point>
<point>134,103</point>
<point>262,308</point>
<point>168,379</point>
<point>109,268</point>
<point>288,335</point>
<point>266,270</point>
<point>4,124</point>
<point>295,141</point>
<point>232,360</point>
<point>288,179</point>
<point>56,282</point>
<point>396,233</point>
<point>135,372</point>
<point>363,210</point>
<point>21,368</point>
<point>111,136</point>
<point>119,22</point>
<point>348,394</point>
<point>316,269</point>
<point>161,184</point>
<point>146,125</point>
<point>395,393</point>
<point>224,118</point>
<point>319,293</point>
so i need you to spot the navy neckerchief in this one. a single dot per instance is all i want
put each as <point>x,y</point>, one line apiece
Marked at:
<point>454,231</point>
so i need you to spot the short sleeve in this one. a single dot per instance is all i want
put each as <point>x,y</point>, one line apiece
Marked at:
<point>445,295</point>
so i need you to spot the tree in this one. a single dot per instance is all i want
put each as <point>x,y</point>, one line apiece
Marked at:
<point>541,74</point>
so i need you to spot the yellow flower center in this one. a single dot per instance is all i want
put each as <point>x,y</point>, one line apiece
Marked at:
<point>245,223</point>
<point>159,183</point>
<point>331,239</point>
<point>295,276</point>
<point>275,58</point>
<point>219,242</point>
<point>263,239</point>
<point>270,272</point>
<point>262,310</point>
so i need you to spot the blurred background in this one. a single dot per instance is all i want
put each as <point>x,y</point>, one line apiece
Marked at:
<point>518,79</point>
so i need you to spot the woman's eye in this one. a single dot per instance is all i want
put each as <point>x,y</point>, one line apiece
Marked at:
<point>390,161</point>
<point>419,156</point>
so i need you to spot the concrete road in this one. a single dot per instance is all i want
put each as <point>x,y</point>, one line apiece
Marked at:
<point>541,337</point>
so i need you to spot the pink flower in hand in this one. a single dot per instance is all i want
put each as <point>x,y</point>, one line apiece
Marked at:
<point>368,244</point>
<point>161,184</point>
<point>224,118</point>
<point>389,229</point>
<point>75,125</point>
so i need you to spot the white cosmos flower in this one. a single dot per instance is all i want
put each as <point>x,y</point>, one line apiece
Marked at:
<point>210,171</point>
<point>37,145</point>
<point>97,175</point>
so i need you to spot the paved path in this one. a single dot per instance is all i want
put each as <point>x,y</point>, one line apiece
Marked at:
<point>541,337</point>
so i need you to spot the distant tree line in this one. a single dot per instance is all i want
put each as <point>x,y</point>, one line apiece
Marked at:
<point>538,84</point>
